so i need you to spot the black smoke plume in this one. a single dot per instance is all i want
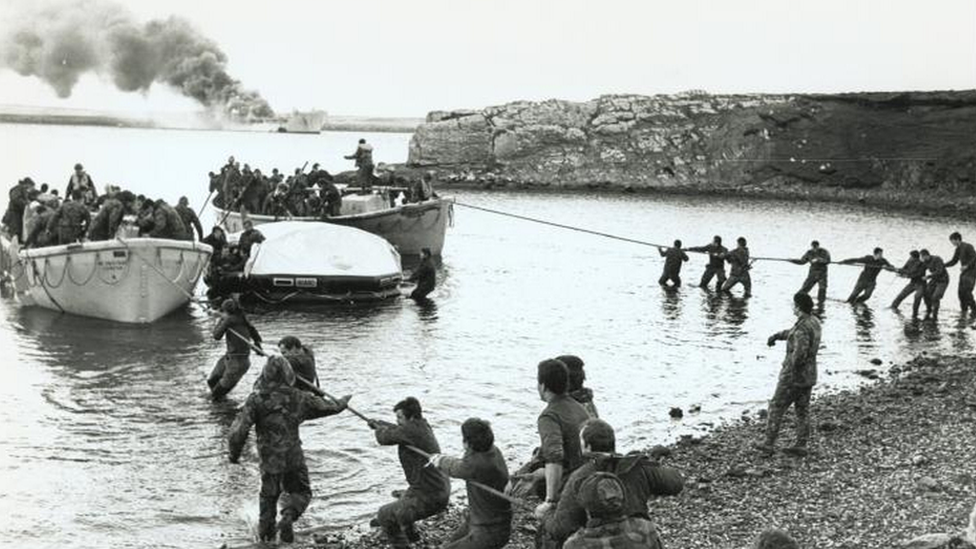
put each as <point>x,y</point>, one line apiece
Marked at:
<point>58,42</point>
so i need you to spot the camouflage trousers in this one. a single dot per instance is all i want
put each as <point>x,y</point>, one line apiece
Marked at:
<point>785,396</point>
<point>291,489</point>
<point>226,373</point>
<point>397,518</point>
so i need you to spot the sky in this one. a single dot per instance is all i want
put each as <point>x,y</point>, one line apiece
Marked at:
<point>408,57</point>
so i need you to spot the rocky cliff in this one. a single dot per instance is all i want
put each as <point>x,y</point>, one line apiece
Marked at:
<point>897,141</point>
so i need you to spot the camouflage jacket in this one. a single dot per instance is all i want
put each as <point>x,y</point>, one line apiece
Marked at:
<point>107,220</point>
<point>276,411</point>
<point>628,533</point>
<point>190,220</point>
<point>802,345</point>
<point>71,214</point>
<point>641,477</point>
<point>168,224</point>
<point>248,239</point>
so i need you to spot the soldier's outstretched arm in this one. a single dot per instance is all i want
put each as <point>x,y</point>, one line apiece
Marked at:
<point>663,481</point>
<point>240,428</point>
<point>316,406</point>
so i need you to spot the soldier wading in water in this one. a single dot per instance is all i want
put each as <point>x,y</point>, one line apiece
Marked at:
<point>276,409</point>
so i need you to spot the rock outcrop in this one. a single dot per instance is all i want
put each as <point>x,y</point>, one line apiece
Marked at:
<point>915,141</point>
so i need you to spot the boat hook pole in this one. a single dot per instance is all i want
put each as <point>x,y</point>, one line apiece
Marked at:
<point>360,415</point>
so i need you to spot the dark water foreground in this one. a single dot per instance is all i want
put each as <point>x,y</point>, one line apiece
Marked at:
<point>107,435</point>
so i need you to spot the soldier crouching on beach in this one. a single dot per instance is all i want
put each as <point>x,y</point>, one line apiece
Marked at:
<point>231,367</point>
<point>428,489</point>
<point>276,409</point>
<point>796,378</point>
<point>488,523</point>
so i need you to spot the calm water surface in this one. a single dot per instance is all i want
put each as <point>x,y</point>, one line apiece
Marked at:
<point>105,429</point>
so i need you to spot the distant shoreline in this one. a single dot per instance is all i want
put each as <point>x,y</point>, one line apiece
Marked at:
<point>334,124</point>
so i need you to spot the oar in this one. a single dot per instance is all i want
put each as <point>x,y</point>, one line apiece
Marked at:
<point>205,202</point>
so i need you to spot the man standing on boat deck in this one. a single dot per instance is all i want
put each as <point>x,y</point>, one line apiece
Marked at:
<point>868,279</point>
<point>936,283</point>
<point>914,271</point>
<point>488,522</point>
<point>81,187</point>
<point>364,162</point>
<point>818,258</point>
<point>234,364</point>
<point>965,256</point>
<point>796,378</point>
<point>739,273</point>
<point>428,489</point>
<point>425,275</point>
<point>673,258</point>
<point>189,217</point>
<point>277,409</point>
<point>716,263</point>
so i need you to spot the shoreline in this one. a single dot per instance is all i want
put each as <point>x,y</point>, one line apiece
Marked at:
<point>890,461</point>
<point>928,204</point>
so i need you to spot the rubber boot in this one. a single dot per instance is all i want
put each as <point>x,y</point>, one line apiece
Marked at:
<point>286,529</point>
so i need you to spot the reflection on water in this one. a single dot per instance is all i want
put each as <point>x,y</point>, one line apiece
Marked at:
<point>108,437</point>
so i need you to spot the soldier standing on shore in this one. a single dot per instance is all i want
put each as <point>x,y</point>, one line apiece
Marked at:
<point>673,258</point>
<point>965,256</point>
<point>818,258</point>
<point>276,409</point>
<point>796,378</point>
<point>716,263</point>
<point>428,489</point>
<point>364,163</point>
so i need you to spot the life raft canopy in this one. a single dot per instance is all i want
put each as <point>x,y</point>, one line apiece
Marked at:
<point>303,248</point>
